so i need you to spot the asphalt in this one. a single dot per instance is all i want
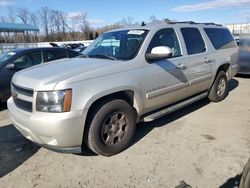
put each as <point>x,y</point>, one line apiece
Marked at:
<point>204,145</point>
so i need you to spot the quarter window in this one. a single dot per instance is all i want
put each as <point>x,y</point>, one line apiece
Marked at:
<point>220,38</point>
<point>166,37</point>
<point>193,40</point>
<point>52,55</point>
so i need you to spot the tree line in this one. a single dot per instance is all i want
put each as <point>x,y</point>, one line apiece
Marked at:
<point>56,25</point>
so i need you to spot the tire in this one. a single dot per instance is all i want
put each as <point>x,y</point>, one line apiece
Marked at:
<point>219,89</point>
<point>245,179</point>
<point>110,127</point>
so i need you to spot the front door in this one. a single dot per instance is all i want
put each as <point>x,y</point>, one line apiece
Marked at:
<point>5,79</point>
<point>167,80</point>
<point>21,62</point>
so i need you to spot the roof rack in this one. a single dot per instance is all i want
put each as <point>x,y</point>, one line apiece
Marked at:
<point>192,22</point>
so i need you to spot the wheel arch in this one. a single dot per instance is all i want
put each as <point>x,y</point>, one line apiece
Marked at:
<point>224,67</point>
<point>129,95</point>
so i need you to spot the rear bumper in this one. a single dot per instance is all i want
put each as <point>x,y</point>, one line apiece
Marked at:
<point>61,132</point>
<point>243,73</point>
<point>244,69</point>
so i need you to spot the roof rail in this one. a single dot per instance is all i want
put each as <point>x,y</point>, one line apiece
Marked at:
<point>188,22</point>
<point>192,22</point>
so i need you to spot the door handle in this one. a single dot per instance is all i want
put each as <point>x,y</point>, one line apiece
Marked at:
<point>181,66</point>
<point>206,60</point>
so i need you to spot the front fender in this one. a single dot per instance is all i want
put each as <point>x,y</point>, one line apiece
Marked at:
<point>86,92</point>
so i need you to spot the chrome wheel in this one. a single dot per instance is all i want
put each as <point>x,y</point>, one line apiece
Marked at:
<point>221,87</point>
<point>114,128</point>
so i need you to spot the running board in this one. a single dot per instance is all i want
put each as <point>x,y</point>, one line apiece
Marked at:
<point>173,108</point>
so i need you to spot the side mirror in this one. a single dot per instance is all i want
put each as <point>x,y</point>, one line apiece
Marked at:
<point>10,66</point>
<point>159,53</point>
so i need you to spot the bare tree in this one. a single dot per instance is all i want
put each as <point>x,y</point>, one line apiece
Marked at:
<point>11,14</point>
<point>153,19</point>
<point>128,21</point>
<point>33,19</point>
<point>3,19</point>
<point>44,16</point>
<point>85,26</point>
<point>63,22</point>
<point>23,14</point>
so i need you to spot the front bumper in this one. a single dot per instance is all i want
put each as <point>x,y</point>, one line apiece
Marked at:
<point>61,132</point>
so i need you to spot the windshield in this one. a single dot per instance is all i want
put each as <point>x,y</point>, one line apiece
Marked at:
<point>5,56</point>
<point>117,45</point>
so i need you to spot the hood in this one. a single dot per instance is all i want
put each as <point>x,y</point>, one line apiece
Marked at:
<point>46,76</point>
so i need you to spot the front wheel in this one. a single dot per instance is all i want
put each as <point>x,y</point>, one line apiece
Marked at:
<point>110,127</point>
<point>219,90</point>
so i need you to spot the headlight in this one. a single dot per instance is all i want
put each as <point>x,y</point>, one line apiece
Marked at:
<point>54,101</point>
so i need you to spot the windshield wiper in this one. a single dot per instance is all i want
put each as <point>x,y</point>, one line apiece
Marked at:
<point>103,56</point>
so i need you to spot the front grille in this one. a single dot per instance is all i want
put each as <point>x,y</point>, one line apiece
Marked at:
<point>25,105</point>
<point>21,90</point>
<point>22,97</point>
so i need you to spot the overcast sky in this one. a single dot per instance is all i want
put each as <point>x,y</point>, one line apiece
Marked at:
<point>110,11</point>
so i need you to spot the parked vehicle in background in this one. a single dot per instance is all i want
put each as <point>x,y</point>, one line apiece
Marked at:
<point>78,47</point>
<point>125,76</point>
<point>245,178</point>
<point>244,57</point>
<point>16,60</point>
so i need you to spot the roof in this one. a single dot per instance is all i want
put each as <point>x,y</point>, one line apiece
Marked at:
<point>156,26</point>
<point>16,27</point>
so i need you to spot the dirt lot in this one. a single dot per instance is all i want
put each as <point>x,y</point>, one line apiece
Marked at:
<point>205,144</point>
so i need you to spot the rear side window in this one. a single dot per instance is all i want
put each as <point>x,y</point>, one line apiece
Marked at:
<point>193,40</point>
<point>73,54</point>
<point>28,60</point>
<point>220,38</point>
<point>52,55</point>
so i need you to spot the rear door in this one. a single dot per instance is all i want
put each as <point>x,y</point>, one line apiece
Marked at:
<point>199,60</point>
<point>20,62</point>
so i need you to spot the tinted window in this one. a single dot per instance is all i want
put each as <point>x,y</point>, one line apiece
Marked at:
<point>220,38</point>
<point>73,54</point>
<point>193,40</point>
<point>29,59</point>
<point>5,56</point>
<point>166,37</point>
<point>52,55</point>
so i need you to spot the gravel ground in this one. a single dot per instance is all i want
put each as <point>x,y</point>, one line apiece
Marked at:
<point>206,145</point>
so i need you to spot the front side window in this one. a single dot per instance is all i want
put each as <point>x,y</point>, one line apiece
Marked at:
<point>166,37</point>
<point>220,38</point>
<point>5,56</point>
<point>52,55</point>
<point>193,40</point>
<point>117,45</point>
<point>28,60</point>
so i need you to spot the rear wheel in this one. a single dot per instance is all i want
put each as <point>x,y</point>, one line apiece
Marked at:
<point>110,128</point>
<point>219,90</point>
